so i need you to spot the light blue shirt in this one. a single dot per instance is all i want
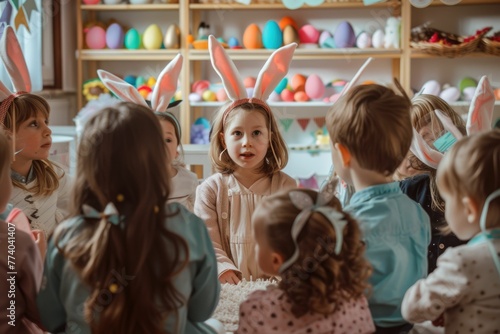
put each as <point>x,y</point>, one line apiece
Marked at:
<point>62,296</point>
<point>396,231</point>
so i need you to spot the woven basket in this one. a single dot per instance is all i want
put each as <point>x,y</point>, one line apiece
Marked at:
<point>489,46</point>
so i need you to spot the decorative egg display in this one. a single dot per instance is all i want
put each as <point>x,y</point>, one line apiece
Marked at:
<point>287,95</point>
<point>274,96</point>
<point>114,36</point>
<point>314,87</point>
<point>298,82</point>
<point>249,82</point>
<point>431,87</point>
<point>468,93</point>
<point>272,38</point>
<point>450,94</point>
<point>194,97</point>
<point>96,38</point>
<point>288,21</point>
<point>308,34</point>
<point>467,82</point>
<point>344,35</point>
<point>290,35</point>
<point>130,79</point>
<point>221,95</point>
<point>325,34</point>
<point>209,96</point>
<point>132,39</point>
<point>233,42</point>
<point>364,40</point>
<point>172,37</point>
<point>300,97</point>
<point>282,85</point>
<point>200,86</point>
<point>252,37</point>
<point>378,39</point>
<point>152,37</point>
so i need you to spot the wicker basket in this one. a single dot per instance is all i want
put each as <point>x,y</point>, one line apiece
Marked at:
<point>450,51</point>
<point>489,46</point>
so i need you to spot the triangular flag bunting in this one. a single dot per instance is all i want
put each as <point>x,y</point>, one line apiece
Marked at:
<point>29,6</point>
<point>303,122</point>
<point>7,12</point>
<point>20,19</point>
<point>15,3</point>
<point>320,121</point>
<point>286,122</point>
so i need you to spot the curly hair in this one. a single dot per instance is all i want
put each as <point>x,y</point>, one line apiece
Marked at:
<point>320,280</point>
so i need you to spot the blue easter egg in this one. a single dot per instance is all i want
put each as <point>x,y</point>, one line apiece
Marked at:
<point>140,81</point>
<point>221,40</point>
<point>272,37</point>
<point>233,42</point>
<point>203,121</point>
<point>132,39</point>
<point>114,36</point>
<point>344,35</point>
<point>130,79</point>
<point>282,85</point>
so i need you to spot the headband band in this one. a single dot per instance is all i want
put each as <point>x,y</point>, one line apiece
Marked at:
<point>174,120</point>
<point>5,105</point>
<point>240,102</point>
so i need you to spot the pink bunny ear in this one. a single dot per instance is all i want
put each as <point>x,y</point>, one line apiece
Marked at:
<point>424,152</point>
<point>448,124</point>
<point>166,85</point>
<point>481,108</point>
<point>226,70</point>
<point>122,89</point>
<point>274,71</point>
<point>13,59</point>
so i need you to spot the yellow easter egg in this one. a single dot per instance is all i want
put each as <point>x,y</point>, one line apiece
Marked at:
<point>152,37</point>
<point>178,95</point>
<point>209,96</point>
<point>151,82</point>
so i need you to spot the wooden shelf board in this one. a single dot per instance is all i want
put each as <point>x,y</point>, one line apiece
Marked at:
<point>467,2</point>
<point>264,6</point>
<point>123,54</point>
<point>415,54</point>
<point>103,7</point>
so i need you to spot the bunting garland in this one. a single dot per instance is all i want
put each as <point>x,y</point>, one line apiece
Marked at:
<point>286,122</point>
<point>23,16</point>
<point>320,121</point>
<point>303,122</point>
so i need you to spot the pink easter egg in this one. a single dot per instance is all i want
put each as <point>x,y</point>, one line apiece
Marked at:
<point>287,95</point>
<point>308,34</point>
<point>249,82</point>
<point>200,86</point>
<point>96,38</point>
<point>314,87</point>
<point>300,97</point>
<point>221,95</point>
<point>334,97</point>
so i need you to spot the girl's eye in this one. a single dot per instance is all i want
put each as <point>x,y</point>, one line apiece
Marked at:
<point>168,140</point>
<point>34,123</point>
<point>257,132</point>
<point>237,133</point>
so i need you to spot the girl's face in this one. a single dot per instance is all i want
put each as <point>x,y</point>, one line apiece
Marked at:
<point>168,131</point>
<point>33,138</point>
<point>457,215</point>
<point>405,169</point>
<point>247,139</point>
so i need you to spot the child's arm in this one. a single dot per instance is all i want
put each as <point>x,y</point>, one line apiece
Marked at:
<point>444,288</point>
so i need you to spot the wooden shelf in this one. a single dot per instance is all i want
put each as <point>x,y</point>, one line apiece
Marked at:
<point>467,2</point>
<point>416,54</point>
<point>263,6</point>
<point>150,7</point>
<point>124,54</point>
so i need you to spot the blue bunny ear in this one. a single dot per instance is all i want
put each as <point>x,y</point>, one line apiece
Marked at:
<point>13,59</point>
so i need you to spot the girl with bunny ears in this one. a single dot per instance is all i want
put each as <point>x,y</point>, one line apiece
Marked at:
<point>184,182</point>
<point>41,188</point>
<point>248,152</point>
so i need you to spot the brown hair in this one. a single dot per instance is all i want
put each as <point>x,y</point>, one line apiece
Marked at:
<point>422,114</point>
<point>5,149</point>
<point>23,107</point>
<point>167,116</point>
<point>470,168</point>
<point>225,164</point>
<point>373,123</point>
<point>315,283</point>
<point>121,159</point>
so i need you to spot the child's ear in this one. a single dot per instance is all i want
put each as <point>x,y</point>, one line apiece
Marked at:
<point>345,155</point>
<point>277,260</point>
<point>471,209</point>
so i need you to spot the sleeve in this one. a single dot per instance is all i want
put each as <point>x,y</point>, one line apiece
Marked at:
<point>250,317</point>
<point>206,287</point>
<point>50,306</point>
<point>63,197</point>
<point>444,288</point>
<point>192,196</point>
<point>205,207</point>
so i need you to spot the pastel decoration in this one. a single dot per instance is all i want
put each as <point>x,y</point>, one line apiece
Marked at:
<point>364,40</point>
<point>319,121</point>
<point>300,97</point>
<point>140,81</point>
<point>96,38</point>
<point>172,37</point>
<point>378,39</point>
<point>209,96</point>
<point>294,4</point>
<point>329,43</point>
<point>200,131</point>
<point>282,85</point>
<point>177,95</point>
<point>287,95</point>
<point>431,87</point>
<point>290,35</point>
<point>308,34</point>
<point>249,82</point>
<point>233,42</point>
<point>344,35</point>
<point>252,37</point>
<point>221,95</point>
<point>91,2</point>
<point>286,122</point>
<point>114,36</point>
<point>450,94</point>
<point>298,82</point>
<point>325,34</point>
<point>151,82</point>
<point>200,86</point>
<point>480,115</point>
<point>468,93</point>
<point>308,183</point>
<point>392,33</point>
<point>195,97</point>
<point>467,82</point>
<point>249,91</point>
<point>272,37</point>
<point>152,37</point>
<point>275,97</point>
<point>130,79</point>
<point>288,21</point>
<point>132,39</point>
<point>303,122</point>
<point>314,87</point>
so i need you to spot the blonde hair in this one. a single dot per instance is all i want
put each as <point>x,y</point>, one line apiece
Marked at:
<point>23,107</point>
<point>422,114</point>
<point>373,123</point>
<point>121,159</point>
<point>470,168</point>
<point>276,147</point>
<point>336,278</point>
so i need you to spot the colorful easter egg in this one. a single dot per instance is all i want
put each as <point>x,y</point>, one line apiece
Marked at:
<point>272,38</point>
<point>139,81</point>
<point>468,93</point>
<point>144,90</point>
<point>275,97</point>
<point>249,82</point>
<point>130,79</point>
<point>152,37</point>
<point>195,97</point>
<point>151,82</point>
<point>314,87</point>
<point>431,87</point>
<point>300,97</point>
<point>200,86</point>
<point>328,43</point>
<point>325,34</point>
<point>364,40</point>
<point>252,37</point>
<point>221,95</point>
<point>450,94</point>
<point>308,34</point>
<point>233,42</point>
<point>288,21</point>
<point>298,82</point>
<point>467,82</point>
<point>287,95</point>
<point>290,35</point>
<point>282,85</point>
<point>378,39</point>
<point>132,39</point>
<point>114,36</point>
<point>96,38</point>
<point>172,37</point>
<point>178,95</point>
<point>209,96</point>
<point>344,35</point>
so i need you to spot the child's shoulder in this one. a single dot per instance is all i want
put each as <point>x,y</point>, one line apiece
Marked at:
<point>285,179</point>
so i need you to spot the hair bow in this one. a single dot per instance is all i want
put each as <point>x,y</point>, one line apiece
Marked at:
<point>110,213</point>
<point>304,202</point>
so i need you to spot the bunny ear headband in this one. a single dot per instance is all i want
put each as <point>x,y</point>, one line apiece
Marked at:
<point>13,59</point>
<point>165,88</point>
<point>479,118</point>
<point>269,77</point>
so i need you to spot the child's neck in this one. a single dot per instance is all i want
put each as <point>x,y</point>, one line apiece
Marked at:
<point>363,178</point>
<point>247,177</point>
<point>21,166</point>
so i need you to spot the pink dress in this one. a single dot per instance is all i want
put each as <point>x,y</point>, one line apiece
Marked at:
<point>269,311</point>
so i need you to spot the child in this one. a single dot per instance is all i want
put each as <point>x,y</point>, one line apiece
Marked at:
<point>40,187</point>
<point>318,252</point>
<point>465,285</point>
<point>125,262</point>
<point>370,133</point>
<point>184,182</point>
<point>20,262</point>
<point>248,152</point>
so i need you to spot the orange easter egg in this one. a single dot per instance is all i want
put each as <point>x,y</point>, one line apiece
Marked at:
<point>189,39</point>
<point>368,82</point>
<point>252,37</point>
<point>300,97</point>
<point>298,80</point>
<point>497,94</point>
<point>288,21</point>
<point>249,82</point>
<point>144,90</point>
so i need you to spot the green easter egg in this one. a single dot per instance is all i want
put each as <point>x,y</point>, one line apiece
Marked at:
<point>132,39</point>
<point>467,82</point>
<point>282,85</point>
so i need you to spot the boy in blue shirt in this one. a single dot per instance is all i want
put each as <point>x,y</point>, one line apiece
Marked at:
<point>370,134</point>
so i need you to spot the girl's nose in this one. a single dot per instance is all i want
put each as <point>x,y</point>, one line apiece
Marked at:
<point>246,142</point>
<point>47,131</point>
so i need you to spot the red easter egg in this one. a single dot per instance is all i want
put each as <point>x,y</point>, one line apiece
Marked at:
<point>287,95</point>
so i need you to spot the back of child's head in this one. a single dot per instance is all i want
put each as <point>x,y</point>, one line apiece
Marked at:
<point>277,153</point>
<point>471,168</point>
<point>121,161</point>
<point>319,280</point>
<point>5,160</point>
<point>373,123</point>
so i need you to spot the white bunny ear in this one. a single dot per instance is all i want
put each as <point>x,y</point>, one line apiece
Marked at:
<point>4,92</point>
<point>166,85</point>
<point>355,78</point>
<point>448,124</point>
<point>424,152</point>
<point>122,89</point>
<point>274,71</point>
<point>481,108</point>
<point>226,70</point>
<point>13,59</point>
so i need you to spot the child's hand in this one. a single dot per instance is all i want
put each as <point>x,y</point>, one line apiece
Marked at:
<point>439,321</point>
<point>41,242</point>
<point>229,277</point>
